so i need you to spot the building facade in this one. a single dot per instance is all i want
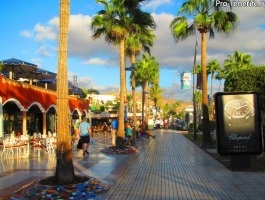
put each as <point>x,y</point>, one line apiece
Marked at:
<point>27,108</point>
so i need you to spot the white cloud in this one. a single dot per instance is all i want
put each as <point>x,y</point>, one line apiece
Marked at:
<point>156,3</point>
<point>36,61</point>
<point>88,82</point>
<point>44,51</point>
<point>45,32</point>
<point>96,61</point>
<point>80,42</point>
<point>248,38</point>
<point>26,34</point>
<point>169,54</point>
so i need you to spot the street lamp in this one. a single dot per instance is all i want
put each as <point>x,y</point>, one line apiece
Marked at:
<point>194,99</point>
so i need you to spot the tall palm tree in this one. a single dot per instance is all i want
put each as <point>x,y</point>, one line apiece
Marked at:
<point>208,17</point>
<point>119,18</point>
<point>114,23</point>
<point>64,169</point>
<point>135,43</point>
<point>140,39</point>
<point>146,72</point>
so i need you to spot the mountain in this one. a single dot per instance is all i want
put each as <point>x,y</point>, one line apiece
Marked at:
<point>138,96</point>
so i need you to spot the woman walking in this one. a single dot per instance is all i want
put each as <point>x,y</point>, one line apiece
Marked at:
<point>105,129</point>
<point>85,131</point>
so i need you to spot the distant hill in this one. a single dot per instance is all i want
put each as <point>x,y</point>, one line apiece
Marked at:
<point>138,95</point>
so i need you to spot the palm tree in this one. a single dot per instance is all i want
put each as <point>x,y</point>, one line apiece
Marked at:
<point>146,72</point>
<point>135,43</point>
<point>116,22</point>
<point>208,17</point>
<point>156,93</point>
<point>236,62</point>
<point>220,76</point>
<point>64,169</point>
<point>212,67</point>
<point>140,39</point>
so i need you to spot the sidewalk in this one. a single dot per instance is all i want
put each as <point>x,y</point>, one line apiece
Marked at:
<point>169,167</point>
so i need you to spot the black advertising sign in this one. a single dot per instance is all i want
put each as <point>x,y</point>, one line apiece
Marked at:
<point>238,124</point>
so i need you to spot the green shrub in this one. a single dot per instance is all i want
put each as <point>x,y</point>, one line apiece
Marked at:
<point>212,126</point>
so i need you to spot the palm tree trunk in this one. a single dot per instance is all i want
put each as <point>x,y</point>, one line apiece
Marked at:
<point>220,83</point>
<point>64,169</point>
<point>212,79</point>
<point>147,107</point>
<point>206,137</point>
<point>143,103</point>
<point>211,97</point>
<point>120,133</point>
<point>134,100</point>
<point>132,60</point>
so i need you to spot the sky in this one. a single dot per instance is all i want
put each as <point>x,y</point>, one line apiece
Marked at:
<point>29,32</point>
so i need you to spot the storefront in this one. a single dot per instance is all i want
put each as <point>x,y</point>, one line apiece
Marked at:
<point>26,109</point>
<point>12,119</point>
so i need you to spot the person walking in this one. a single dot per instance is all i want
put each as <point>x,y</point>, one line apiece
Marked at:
<point>105,129</point>
<point>128,133</point>
<point>85,131</point>
<point>114,128</point>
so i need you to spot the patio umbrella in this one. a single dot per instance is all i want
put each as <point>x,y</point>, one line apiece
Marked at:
<point>72,88</point>
<point>47,72</point>
<point>38,74</point>
<point>53,80</point>
<point>15,65</point>
<point>75,90</point>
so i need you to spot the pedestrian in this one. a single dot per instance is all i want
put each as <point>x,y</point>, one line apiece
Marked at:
<point>85,131</point>
<point>105,129</point>
<point>128,133</point>
<point>114,129</point>
<point>157,123</point>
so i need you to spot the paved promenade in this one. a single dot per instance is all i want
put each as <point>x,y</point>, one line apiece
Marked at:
<point>166,168</point>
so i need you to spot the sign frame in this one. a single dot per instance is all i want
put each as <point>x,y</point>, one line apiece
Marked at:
<point>238,123</point>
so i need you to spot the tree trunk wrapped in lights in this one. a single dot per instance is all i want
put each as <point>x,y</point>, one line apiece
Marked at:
<point>64,168</point>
